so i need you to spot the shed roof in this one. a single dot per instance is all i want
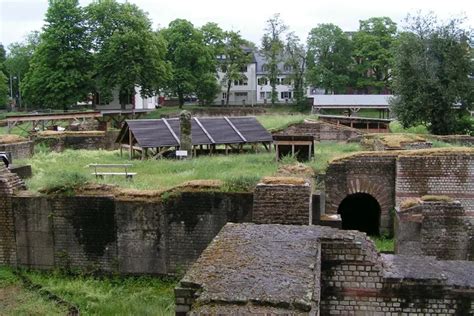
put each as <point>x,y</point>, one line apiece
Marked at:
<point>154,133</point>
<point>352,99</point>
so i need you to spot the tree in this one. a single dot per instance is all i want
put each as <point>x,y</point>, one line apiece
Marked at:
<point>373,53</point>
<point>207,89</point>
<point>3,79</point>
<point>213,37</point>
<point>127,53</point>
<point>189,56</point>
<point>295,53</point>
<point>329,58</point>
<point>431,75</point>
<point>234,58</point>
<point>18,61</point>
<point>59,73</point>
<point>272,49</point>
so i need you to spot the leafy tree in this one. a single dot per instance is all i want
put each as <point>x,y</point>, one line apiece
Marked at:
<point>235,57</point>
<point>295,53</point>
<point>213,37</point>
<point>272,49</point>
<point>373,53</point>
<point>19,59</point>
<point>207,88</point>
<point>189,56</point>
<point>329,58</point>
<point>128,53</point>
<point>431,74</point>
<point>59,73</point>
<point>3,79</point>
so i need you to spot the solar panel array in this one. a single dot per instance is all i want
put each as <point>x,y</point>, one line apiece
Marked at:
<point>155,133</point>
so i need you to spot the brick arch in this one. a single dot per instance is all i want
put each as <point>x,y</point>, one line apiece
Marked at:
<point>373,175</point>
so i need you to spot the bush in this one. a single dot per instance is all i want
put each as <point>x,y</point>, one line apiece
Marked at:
<point>244,183</point>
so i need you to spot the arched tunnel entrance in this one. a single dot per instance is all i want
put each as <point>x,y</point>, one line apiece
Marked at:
<point>360,211</point>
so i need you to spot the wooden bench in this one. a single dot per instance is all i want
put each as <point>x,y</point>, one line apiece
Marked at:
<point>99,170</point>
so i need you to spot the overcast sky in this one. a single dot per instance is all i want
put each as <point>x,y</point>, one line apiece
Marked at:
<point>19,17</point>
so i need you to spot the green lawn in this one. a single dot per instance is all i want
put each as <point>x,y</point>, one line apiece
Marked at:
<point>52,170</point>
<point>92,296</point>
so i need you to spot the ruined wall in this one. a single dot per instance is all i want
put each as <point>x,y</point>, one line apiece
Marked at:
<point>61,142</point>
<point>21,150</point>
<point>102,233</point>
<point>370,174</point>
<point>439,229</point>
<point>443,173</point>
<point>321,131</point>
<point>283,203</point>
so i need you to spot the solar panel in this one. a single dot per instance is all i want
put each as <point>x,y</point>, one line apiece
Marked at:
<point>156,132</point>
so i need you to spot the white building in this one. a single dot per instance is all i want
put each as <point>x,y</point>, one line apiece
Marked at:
<point>136,102</point>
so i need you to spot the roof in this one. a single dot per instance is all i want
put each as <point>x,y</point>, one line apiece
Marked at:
<point>204,131</point>
<point>352,100</point>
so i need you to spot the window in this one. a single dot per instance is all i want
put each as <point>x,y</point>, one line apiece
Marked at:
<point>224,95</point>
<point>269,95</point>
<point>287,68</point>
<point>286,81</point>
<point>241,82</point>
<point>241,94</point>
<point>243,69</point>
<point>264,67</point>
<point>262,95</point>
<point>262,81</point>
<point>285,95</point>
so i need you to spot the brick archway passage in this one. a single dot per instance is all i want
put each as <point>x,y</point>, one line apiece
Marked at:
<point>360,211</point>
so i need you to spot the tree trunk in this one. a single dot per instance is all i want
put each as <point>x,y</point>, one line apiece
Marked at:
<point>180,100</point>
<point>229,83</point>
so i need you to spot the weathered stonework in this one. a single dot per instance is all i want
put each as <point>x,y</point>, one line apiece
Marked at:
<point>439,229</point>
<point>312,270</point>
<point>321,131</point>
<point>283,201</point>
<point>81,140</point>
<point>21,150</point>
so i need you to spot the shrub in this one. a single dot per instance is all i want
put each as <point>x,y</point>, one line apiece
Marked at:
<point>243,183</point>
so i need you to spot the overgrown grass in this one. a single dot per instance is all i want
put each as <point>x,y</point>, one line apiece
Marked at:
<point>93,296</point>
<point>396,127</point>
<point>384,244</point>
<point>62,168</point>
<point>279,121</point>
<point>53,171</point>
<point>15,299</point>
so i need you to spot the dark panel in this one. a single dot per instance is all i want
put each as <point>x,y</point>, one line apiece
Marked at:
<point>220,130</point>
<point>251,129</point>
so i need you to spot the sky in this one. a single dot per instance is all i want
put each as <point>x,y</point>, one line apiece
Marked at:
<point>19,17</point>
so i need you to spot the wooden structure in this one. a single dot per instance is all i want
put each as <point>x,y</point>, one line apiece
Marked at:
<point>40,121</point>
<point>370,125</point>
<point>353,102</point>
<point>157,137</point>
<point>31,122</point>
<point>299,146</point>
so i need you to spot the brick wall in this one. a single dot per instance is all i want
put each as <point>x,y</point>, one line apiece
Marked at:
<point>442,174</point>
<point>103,233</point>
<point>439,229</point>
<point>58,143</point>
<point>321,131</point>
<point>283,204</point>
<point>372,174</point>
<point>21,150</point>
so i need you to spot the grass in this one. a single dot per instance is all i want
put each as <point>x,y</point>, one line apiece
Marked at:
<point>93,296</point>
<point>384,244</point>
<point>53,171</point>
<point>15,299</point>
<point>396,127</point>
<point>279,121</point>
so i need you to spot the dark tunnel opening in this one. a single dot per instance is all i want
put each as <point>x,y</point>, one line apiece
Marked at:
<point>360,211</point>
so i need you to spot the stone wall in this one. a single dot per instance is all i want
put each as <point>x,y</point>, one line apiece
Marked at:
<point>114,235</point>
<point>321,131</point>
<point>283,201</point>
<point>441,173</point>
<point>22,150</point>
<point>439,229</point>
<point>370,174</point>
<point>79,140</point>
<point>250,269</point>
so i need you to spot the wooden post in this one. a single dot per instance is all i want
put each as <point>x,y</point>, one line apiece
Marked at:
<point>293,150</point>
<point>277,152</point>
<point>309,152</point>
<point>130,143</point>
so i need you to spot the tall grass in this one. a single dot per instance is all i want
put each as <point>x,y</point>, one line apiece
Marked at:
<point>277,121</point>
<point>396,127</point>
<point>327,150</point>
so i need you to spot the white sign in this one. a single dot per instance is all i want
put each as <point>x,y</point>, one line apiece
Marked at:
<point>181,153</point>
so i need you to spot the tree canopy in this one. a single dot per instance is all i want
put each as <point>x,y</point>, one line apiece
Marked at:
<point>127,53</point>
<point>190,59</point>
<point>431,75</point>
<point>329,58</point>
<point>60,69</point>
